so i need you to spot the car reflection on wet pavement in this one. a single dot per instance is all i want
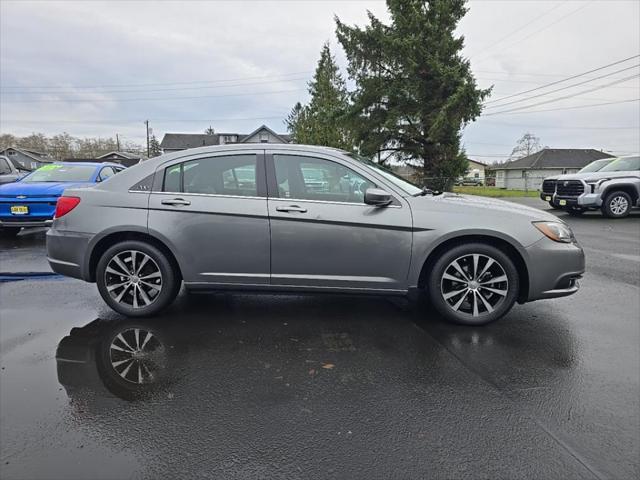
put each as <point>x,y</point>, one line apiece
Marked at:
<point>246,386</point>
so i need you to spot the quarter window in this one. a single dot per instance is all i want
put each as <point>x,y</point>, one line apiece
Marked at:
<point>233,175</point>
<point>309,178</point>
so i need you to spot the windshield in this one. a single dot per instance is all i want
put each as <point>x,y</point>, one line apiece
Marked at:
<point>398,181</point>
<point>596,166</point>
<point>625,164</point>
<point>62,173</point>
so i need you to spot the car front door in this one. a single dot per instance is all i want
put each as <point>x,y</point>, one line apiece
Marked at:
<point>323,235</point>
<point>212,212</point>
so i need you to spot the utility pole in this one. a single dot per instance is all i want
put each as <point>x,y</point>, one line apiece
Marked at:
<point>146,122</point>
<point>118,142</point>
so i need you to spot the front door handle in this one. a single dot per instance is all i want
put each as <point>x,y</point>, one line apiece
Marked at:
<point>176,201</point>
<point>291,208</point>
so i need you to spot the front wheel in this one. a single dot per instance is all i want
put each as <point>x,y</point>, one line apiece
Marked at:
<point>136,279</point>
<point>473,284</point>
<point>616,205</point>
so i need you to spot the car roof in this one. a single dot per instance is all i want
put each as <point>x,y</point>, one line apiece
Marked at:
<point>89,164</point>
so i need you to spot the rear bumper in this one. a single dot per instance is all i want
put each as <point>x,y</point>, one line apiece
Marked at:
<point>24,223</point>
<point>554,269</point>
<point>66,253</point>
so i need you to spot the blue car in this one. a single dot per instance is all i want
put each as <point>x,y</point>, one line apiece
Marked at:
<point>31,201</point>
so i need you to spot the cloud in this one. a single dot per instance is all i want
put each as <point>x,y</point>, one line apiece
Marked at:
<point>64,47</point>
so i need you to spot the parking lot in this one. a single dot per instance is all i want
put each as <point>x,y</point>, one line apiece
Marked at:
<point>250,386</point>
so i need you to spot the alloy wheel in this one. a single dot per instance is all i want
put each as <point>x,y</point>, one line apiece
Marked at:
<point>133,278</point>
<point>137,356</point>
<point>474,284</point>
<point>618,205</point>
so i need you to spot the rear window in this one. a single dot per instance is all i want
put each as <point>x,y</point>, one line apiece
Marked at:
<point>61,173</point>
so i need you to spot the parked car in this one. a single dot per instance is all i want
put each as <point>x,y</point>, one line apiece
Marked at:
<point>31,201</point>
<point>549,183</point>
<point>9,172</point>
<point>150,229</point>
<point>614,189</point>
<point>470,181</point>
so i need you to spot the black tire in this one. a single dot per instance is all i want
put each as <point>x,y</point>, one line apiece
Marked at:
<point>614,205</point>
<point>10,231</point>
<point>465,313</point>
<point>575,211</point>
<point>170,280</point>
<point>554,206</point>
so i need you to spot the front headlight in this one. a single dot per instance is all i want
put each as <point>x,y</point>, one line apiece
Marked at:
<point>556,231</point>
<point>594,184</point>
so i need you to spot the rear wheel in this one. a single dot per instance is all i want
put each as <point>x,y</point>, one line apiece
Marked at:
<point>136,279</point>
<point>473,284</point>
<point>10,231</point>
<point>617,205</point>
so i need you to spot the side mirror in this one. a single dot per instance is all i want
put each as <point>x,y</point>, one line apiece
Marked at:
<point>377,196</point>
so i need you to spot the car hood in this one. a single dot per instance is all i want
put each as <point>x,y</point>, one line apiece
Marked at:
<point>597,175</point>
<point>481,206</point>
<point>39,188</point>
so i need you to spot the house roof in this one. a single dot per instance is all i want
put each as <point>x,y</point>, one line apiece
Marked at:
<point>127,155</point>
<point>182,141</point>
<point>556,158</point>
<point>39,156</point>
<point>478,162</point>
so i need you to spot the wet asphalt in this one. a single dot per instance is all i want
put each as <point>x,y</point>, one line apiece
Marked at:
<point>250,386</point>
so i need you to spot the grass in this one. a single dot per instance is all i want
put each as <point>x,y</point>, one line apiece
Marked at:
<point>494,192</point>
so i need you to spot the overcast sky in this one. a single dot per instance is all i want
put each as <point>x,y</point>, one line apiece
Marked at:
<point>100,68</point>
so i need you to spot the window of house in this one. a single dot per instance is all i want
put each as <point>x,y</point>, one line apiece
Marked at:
<point>264,137</point>
<point>11,152</point>
<point>309,178</point>
<point>224,175</point>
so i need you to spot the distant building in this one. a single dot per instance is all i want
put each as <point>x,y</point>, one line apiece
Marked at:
<point>26,158</point>
<point>476,170</point>
<point>527,173</point>
<point>123,158</point>
<point>173,142</point>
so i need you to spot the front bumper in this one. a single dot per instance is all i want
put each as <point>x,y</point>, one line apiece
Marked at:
<point>547,197</point>
<point>66,253</point>
<point>554,269</point>
<point>586,200</point>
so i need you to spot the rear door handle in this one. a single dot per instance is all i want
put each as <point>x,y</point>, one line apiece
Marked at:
<point>291,208</point>
<point>176,201</point>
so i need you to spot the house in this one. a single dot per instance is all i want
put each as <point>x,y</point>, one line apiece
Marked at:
<point>172,142</point>
<point>476,169</point>
<point>123,158</point>
<point>26,158</point>
<point>527,173</point>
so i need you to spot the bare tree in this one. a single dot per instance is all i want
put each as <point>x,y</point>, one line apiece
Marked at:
<point>526,145</point>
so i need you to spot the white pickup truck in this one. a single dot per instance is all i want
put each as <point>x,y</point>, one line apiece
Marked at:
<point>614,189</point>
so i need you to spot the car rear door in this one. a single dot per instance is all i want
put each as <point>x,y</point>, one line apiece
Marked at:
<point>212,211</point>
<point>323,235</point>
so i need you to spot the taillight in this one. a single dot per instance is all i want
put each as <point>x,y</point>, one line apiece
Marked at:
<point>65,205</point>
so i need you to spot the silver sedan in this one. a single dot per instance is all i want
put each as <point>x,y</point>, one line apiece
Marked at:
<point>306,219</point>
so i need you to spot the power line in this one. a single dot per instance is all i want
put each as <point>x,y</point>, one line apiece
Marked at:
<point>598,87</point>
<point>563,80</point>
<point>117,100</point>
<point>541,29</point>
<point>564,108</point>
<point>156,121</point>
<point>560,127</point>
<point>557,99</point>
<point>200,87</point>
<point>519,29</point>
<point>306,72</point>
